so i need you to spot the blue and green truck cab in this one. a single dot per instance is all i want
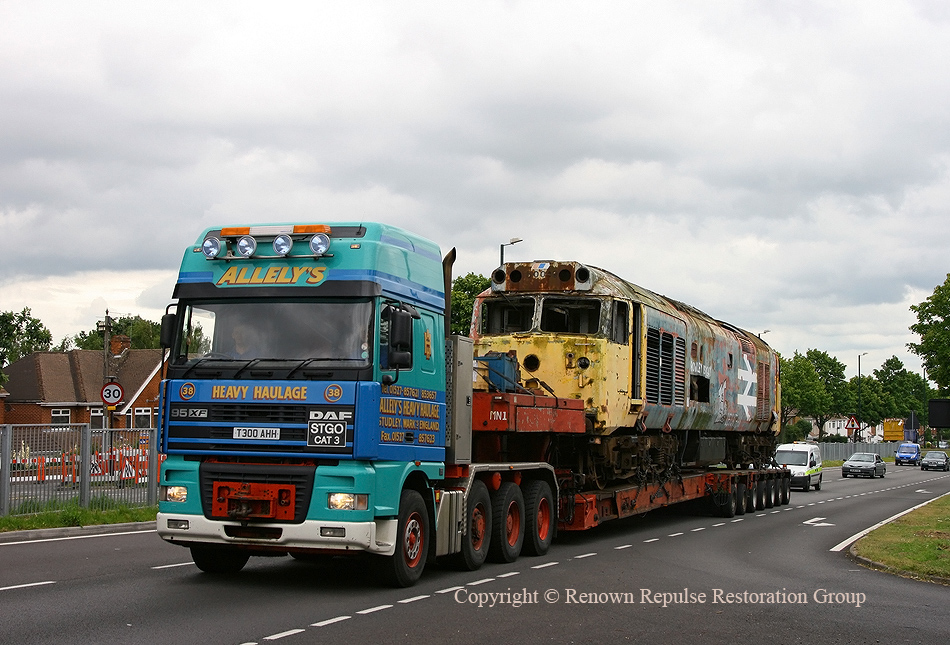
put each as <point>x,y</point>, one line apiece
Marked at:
<point>304,405</point>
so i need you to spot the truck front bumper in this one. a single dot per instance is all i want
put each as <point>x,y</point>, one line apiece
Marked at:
<point>378,536</point>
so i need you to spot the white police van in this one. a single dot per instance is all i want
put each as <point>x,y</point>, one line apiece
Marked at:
<point>803,458</point>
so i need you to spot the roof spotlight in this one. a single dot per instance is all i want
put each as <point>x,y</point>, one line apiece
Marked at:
<point>282,244</point>
<point>211,247</point>
<point>246,246</point>
<point>319,243</point>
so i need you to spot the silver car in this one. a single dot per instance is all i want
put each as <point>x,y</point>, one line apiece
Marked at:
<point>866,464</point>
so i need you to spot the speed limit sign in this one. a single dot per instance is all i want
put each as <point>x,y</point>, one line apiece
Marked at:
<point>112,393</point>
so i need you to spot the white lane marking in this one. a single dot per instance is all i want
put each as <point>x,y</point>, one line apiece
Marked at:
<point>701,528</point>
<point>172,566</point>
<point>622,546</point>
<point>720,524</point>
<point>373,610</point>
<point>740,519</point>
<point>289,632</point>
<point>586,555</point>
<point>857,536</point>
<point>545,565</point>
<point>479,582</point>
<point>450,589</point>
<point>674,534</point>
<point>76,537</point>
<point>652,540</point>
<point>509,574</point>
<point>817,521</point>
<point>330,621</point>
<point>413,599</point>
<point>29,584</point>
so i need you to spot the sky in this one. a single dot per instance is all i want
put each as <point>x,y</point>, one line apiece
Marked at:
<point>783,166</point>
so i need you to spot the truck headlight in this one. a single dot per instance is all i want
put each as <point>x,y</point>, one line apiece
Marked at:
<point>347,502</point>
<point>174,494</point>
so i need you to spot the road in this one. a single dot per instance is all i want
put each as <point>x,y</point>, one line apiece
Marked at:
<point>663,578</point>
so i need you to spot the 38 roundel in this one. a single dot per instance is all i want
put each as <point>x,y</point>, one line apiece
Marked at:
<point>187,390</point>
<point>333,393</point>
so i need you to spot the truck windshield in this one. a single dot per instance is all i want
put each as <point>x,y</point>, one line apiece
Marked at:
<point>336,332</point>
<point>791,457</point>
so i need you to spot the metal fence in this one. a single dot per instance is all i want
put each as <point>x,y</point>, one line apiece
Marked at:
<point>841,451</point>
<point>47,467</point>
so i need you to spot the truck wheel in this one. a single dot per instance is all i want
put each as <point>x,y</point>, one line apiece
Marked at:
<point>404,567</point>
<point>539,517</point>
<point>740,498</point>
<point>218,559</point>
<point>769,493</point>
<point>786,491</point>
<point>760,495</point>
<point>478,524</point>
<point>777,491</point>
<point>750,498</point>
<point>507,534</point>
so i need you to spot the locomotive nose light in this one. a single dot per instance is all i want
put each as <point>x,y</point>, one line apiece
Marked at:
<point>583,362</point>
<point>247,246</point>
<point>319,243</point>
<point>211,247</point>
<point>282,244</point>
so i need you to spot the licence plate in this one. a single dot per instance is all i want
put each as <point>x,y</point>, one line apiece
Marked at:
<point>257,433</point>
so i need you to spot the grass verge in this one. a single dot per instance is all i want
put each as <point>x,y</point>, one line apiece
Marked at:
<point>101,511</point>
<point>918,542</point>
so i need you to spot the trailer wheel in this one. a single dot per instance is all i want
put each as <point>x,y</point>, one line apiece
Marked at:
<point>777,489</point>
<point>769,493</point>
<point>760,495</point>
<point>404,567</point>
<point>218,559</point>
<point>740,498</point>
<point>507,534</point>
<point>539,517</point>
<point>750,499</point>
<point>478,518</point>
<point>786,490</point>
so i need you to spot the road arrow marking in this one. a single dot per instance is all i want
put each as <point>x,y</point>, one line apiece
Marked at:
<point>817,521</point>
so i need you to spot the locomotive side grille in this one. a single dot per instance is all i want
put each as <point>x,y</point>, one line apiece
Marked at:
<point>666,369</point>
<point>653,365</point>
<point>679,385</point>
<point>763,404</point>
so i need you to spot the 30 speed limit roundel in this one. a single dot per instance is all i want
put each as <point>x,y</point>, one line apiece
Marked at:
<point>112,393</point>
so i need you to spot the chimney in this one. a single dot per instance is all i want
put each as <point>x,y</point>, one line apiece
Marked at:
<point>119,345</point>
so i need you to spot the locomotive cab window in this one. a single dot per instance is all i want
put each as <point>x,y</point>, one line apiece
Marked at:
<point>619,322</point>
<point>570,316</point>
<point>507,316</point>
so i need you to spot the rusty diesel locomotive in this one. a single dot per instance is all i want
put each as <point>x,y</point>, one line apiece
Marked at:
<point>664,387</point>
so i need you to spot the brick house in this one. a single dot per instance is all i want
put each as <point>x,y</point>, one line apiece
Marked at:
<point>50,388</point>
<point>3,395</point>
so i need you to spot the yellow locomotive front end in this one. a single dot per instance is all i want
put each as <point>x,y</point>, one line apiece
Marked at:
<point>571,338</point>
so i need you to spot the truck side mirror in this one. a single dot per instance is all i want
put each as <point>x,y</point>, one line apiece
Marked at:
<point>167,335</point>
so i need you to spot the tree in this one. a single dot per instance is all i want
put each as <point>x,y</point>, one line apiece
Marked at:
<point>833,400</point>
<point>908,391</point>
<point>933,327</point>
<point>801,387</point>
<point>144,334</point>
<point>20,335</point>
<point>464,290</point>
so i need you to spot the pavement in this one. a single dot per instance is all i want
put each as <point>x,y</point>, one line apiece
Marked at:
<point>73,531</point>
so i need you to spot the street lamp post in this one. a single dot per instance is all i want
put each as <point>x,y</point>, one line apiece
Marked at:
<point>501,249</point>
<point>858,432</point>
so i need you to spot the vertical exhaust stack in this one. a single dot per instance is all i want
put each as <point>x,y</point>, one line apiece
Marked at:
<point>458,381</point>
<point>447,263</point>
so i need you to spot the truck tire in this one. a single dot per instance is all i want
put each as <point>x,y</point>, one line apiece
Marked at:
<point>404,567</point>
<point>477,537</point>
<point>740,498</point>
<point>507,534</point>
<point>218,559</point>
<point>786,490</point>
<point>769,493</point>
<point>760,495</point>
<point>750,498</point>
<point>725,503</point>
<point>540,518</point>
<point>777,492</point>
